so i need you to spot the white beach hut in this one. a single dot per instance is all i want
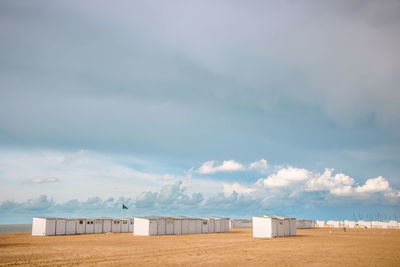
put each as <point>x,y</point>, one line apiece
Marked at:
<point>349,224</point>
<point>169,226</point>
<point>146,226</point>
<point>211,225</point>
<point>107,225</point>
<point>161,226</point>
<point>124,225</point>
<point>81,226</point>
<point>60,226</point>
<point>89,226</point>
<point>192,226</point>
<point>226,224</point>
<point>265,227</point>
<point>283,225</point>
<point>204,226</point>
<point>305,224</point>
<point>185,226</point>
<point>366,224</point>
<point>320,223</point>
<point>333,223</point>
<point>131,223</point>
<point>42,226</point>
<point>240,223</point>
<point>98,226</point>
<point>393,224</point>
<point>116,226</point>
<point>198,227</point>
<point>177,226</point>
<point>70,226</point>
<point>217,222</point>
<point>292,224</point>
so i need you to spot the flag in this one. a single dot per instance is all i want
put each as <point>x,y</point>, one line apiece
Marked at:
<point>124,207</point>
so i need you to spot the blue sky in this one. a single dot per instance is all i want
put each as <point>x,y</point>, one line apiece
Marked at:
<point>199,108</point>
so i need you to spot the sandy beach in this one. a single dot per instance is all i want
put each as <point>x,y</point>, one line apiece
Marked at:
<point>312,247</point>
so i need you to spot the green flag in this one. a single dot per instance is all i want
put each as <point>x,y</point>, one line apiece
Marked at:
<point>124,207</point>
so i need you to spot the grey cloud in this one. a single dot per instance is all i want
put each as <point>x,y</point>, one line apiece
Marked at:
<point>188,79</point>
<point>172,200</point>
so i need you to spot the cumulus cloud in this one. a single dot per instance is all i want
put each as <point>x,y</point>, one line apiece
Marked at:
<point>210,167</point>
<point>238,188</point>
<point>41,180</point>
<point>261,165</point>
<point>374,185</point>
<point>341,185</point>
<point>285,177</point>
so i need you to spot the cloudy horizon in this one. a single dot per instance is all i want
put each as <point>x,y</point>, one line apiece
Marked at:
<point>199,108</point>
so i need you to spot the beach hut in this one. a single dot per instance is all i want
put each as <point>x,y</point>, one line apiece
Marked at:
<point>211,225</point>
<point>89,226</point>
<point>304,224</point>
<point>320,223</point>
<point>60,226</point>
<point>393,224</point>
<point>161,226</point>
<point>98,226</point>
<point>240,223</point>
<point>198,227</point>
<point>365,224</point>
<point>70,226</point>
<point>116,226</point>
<point>376,224</point>
<point>349,224</point>
<point>289,225</point>
<point>169,226</point>
<point>280,227</point>
<point>42,226</point>
<point>177,226</point>
<point>185,226</point>
<point>217,225</point>
<point>146,226</point>
<point>131,222</point>
<point>81,226</point>
<point>226,224</point>
<point>204,226</point>
<point>333,223</point>
<point>192,226</point>
<point>265,227</point>
<point>283,225</point>
<point>107,225</point>
<point>124,225</point>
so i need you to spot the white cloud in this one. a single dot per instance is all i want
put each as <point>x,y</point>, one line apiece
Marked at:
<point>261,165</point>
<point>301,180</point>
<point>374,185</point>
<point>41,180</point>
<point>238,188</point>
<point>285,177</point>
<point>210,167</point>
<point>339,184</point>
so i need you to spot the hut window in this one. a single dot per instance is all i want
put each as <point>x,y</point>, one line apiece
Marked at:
<point>88,222</point>
<point>80,222</point>
<point>91,222</point>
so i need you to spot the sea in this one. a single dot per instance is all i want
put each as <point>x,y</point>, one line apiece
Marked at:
<point>15,228</point>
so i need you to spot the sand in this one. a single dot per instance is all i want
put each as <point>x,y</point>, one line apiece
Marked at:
<point>312,247</point>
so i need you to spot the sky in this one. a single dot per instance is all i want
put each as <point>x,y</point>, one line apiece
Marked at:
<point>200,108</point>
